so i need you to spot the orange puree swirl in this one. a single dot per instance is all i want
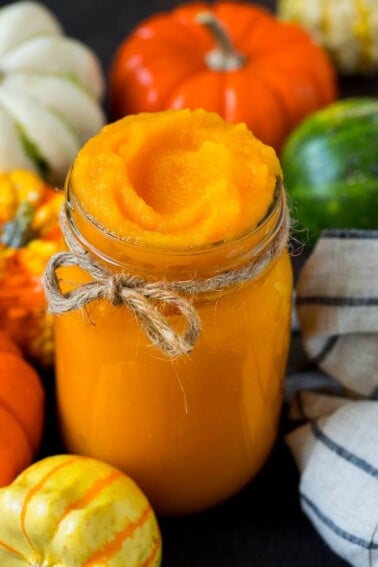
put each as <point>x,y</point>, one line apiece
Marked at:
<point>175,179</point>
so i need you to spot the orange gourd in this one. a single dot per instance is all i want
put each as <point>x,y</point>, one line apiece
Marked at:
<point>29,235</point>
<point>231,57</point>
<point>21,411</point>
<point>8,346</point>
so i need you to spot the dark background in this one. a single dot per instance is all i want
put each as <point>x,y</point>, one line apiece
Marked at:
<point>263,526</point>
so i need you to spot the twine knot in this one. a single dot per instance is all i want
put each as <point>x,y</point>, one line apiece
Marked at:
<point>116,286</point>
<point>148,301</point>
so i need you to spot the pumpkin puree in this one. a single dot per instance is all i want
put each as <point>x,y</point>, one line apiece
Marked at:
<point>175,178</point>
<point>192,430</point>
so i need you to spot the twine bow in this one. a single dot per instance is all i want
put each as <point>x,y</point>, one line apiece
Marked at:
<point>143,298</point>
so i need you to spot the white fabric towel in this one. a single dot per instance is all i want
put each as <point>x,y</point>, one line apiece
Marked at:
<point>336,449</point>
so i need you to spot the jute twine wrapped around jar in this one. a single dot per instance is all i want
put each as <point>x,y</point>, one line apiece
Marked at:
<point>143,298</point>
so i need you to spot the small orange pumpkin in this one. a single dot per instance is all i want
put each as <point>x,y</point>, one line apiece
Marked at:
<point>21,411</point>
<point>29,235</point>
<point>234,58</point>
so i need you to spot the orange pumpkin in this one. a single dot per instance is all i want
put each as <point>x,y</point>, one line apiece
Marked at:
<point>21,411</point>
<point>233,58</point>
<point>29,235</point>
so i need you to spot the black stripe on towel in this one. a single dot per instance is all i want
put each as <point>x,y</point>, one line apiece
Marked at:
<point>335,528</point>
<point>373,394</point>
<point>343,452</point>
<point>327,348</point>
<point>337,301</point>
<point>352,234</point>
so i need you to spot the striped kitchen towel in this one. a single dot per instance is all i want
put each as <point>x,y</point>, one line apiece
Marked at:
<point>336,448</point>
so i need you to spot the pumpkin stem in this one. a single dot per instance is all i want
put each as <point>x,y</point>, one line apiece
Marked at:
<point>224,57</point>
<point>18,232</point>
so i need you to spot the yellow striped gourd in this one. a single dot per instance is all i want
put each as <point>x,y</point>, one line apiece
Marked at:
<point>71,511</point>
<point>347,29</point>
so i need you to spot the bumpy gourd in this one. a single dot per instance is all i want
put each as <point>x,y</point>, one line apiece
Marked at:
<point>29,235</point>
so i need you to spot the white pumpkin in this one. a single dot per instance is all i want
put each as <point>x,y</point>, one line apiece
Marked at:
<point>347,29</point>
<point>50,92</point>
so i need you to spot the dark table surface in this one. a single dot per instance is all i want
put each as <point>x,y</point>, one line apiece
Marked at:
<point>263,525</point>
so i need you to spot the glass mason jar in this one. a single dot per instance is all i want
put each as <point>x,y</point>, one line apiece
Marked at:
<point>191,430</point>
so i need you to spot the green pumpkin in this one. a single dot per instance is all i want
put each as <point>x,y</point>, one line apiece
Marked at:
<point>330,165</point>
